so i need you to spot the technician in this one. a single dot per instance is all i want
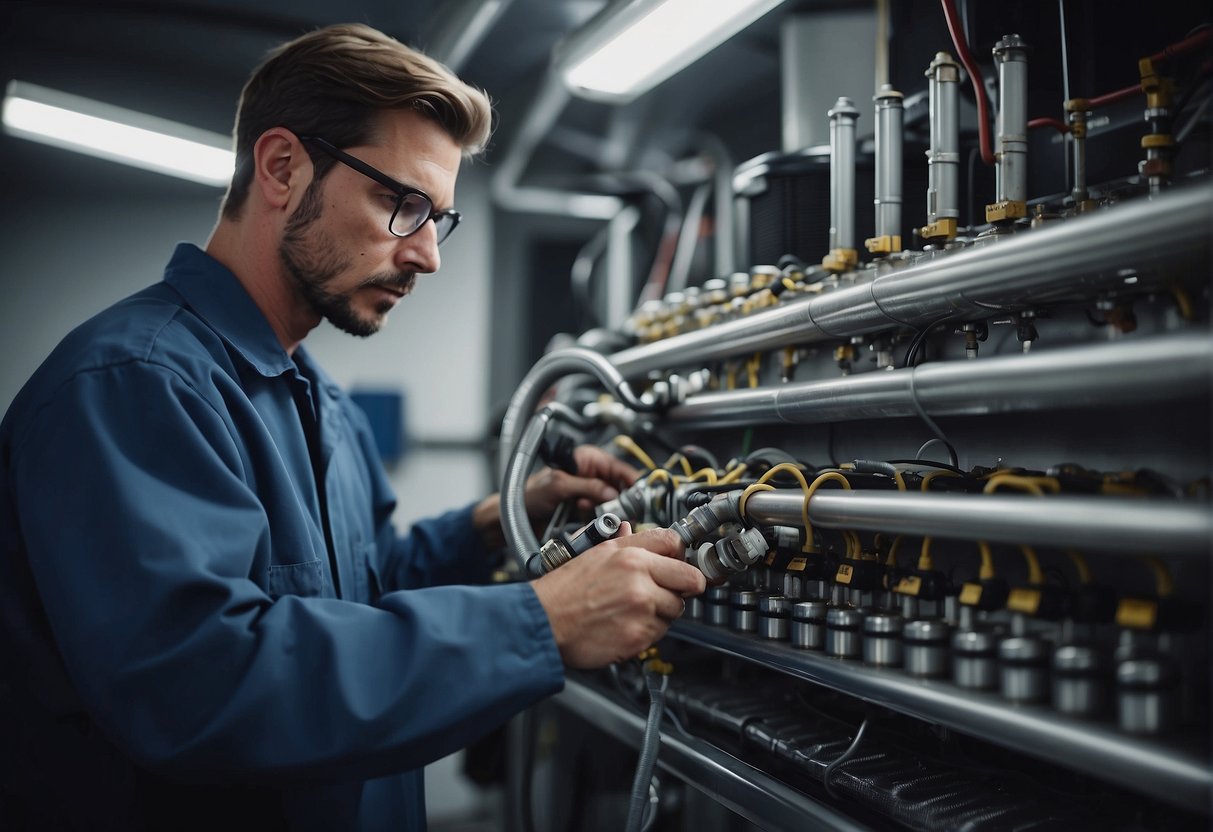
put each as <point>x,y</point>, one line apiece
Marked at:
<point>208,620</point>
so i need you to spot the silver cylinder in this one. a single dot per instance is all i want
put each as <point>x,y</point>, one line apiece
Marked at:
<point>809,625</point>
<point>882,645</point>
<point>889,119</point>
<point>695,608</point>
<point>926,647</point>
<point>773,617</point>
<point>1011,176</point>
<point>1146,699</point>
<point>974,659</point>
<point>1022,669</point>
<point>943,159</point>
<point>1078,683</point>
<point>716,605</point>
<point>744,616</point>
<point>842,174</point>
<point>793,586</point>
<point>844,632</point>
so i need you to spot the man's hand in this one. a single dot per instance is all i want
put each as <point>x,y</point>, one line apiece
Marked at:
<point>619,597</point>
<point>599,478</point>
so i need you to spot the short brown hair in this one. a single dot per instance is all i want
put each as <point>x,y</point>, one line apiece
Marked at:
<point>334,81</point>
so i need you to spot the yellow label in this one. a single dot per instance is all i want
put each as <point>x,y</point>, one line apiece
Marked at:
<point>798,564</point>
<point>909,585</point>
<point>843,575</point>
<point>970,595</point>
<point>1024,600</point>
<point>1136,613</point>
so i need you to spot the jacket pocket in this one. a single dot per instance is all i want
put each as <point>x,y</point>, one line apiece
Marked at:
<point>306,579</point>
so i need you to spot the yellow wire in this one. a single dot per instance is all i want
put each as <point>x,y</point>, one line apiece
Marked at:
<point>852,540</point>
<point>706,474</point>
<point>1183,302</point>
<point>629,445</point>
<point>734,475</point>
<point>1033,485</point>
<point>891,558</point>
<point>925,564</point>
<point>1163,584</point>
<point>730,376</point>
<point>752,367</point>
<point>986,572</point>
<point>681,458</point>
<point>926,480</point>
<point>1035,576</point>
<point>661,474</point>
<point>1080,564</point>
<point>899,479</point>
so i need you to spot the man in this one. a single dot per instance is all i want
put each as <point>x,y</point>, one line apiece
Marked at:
<point>208,619</point>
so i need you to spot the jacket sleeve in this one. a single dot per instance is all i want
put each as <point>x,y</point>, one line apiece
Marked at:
<point>141,531</point>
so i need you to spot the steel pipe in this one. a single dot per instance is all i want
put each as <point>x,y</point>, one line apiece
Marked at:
<point>1076,258</point>
<point>1165,368</point>
<point>1110,524</point>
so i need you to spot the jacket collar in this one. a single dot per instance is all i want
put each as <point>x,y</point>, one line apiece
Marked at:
<point>220,300</point>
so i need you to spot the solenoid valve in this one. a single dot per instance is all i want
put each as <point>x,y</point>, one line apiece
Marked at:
<point>736,552</point>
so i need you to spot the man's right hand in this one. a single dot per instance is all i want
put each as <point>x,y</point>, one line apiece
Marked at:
<point>618,598</point>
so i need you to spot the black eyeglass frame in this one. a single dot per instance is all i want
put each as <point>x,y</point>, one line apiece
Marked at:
<point>402,192</point>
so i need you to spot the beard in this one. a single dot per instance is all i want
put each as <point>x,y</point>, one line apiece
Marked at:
<point>313,260</point>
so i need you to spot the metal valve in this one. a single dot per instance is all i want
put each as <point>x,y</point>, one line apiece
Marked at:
<point>564,547</point>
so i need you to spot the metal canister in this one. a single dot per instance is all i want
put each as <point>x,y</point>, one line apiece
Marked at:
<point>744,603</point>
<point>1078,683</point>
<point>716,605</point>
<point>809,625</point>
<point>773,617</point>
<point>882,639</point>
<point>1022,669</point>
<point>793,586</point>
<point>844,632</point>
<point>1146,698</point>
<point>926,647</point>
<point>695,608</point>
<point>974,659</point>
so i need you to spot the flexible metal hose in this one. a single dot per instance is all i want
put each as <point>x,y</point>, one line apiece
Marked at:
<point>657,683</point>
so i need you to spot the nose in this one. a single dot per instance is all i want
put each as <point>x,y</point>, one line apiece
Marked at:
<point>418,252</point>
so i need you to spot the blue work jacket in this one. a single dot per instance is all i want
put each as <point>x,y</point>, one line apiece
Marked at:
<point>196,635</point>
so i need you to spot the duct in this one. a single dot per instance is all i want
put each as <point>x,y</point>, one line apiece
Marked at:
<point>1155,369</point>
<point>463,29</point>
<point>1078,258</point>
<point>546,108</point>
<point>1129,526</point>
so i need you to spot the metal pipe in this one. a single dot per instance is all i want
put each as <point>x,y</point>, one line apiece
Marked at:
<point>889,118</point>
<point>1109,524</point>
<point>842,255</point>
<point>1011,152</point>
<point>943,159</point>
<point>1077,258</point>
<point>1155,369</point>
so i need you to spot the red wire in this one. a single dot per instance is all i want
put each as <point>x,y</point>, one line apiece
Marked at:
<point>979,88</point>
<point>1056,124</point>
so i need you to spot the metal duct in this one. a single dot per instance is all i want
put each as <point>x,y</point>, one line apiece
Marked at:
<point>1150,369</point>
<point>1112,524</point>
<point>1079,257</point>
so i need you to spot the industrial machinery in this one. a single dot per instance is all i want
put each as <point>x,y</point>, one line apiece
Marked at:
<point>950,482</point>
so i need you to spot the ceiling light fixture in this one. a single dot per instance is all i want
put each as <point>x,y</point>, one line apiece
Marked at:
<point>86,126</point>
<point>633,45</point>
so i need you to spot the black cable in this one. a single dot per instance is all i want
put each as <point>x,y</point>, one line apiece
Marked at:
<point>842,758</point>
<point>931,422</point>
<point>919,339</point>
<point>931,462</point>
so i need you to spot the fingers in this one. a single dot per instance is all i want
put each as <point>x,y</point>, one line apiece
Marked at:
<point>594,462</point>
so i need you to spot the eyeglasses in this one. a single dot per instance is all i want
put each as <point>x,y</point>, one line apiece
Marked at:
<point>413,207</point>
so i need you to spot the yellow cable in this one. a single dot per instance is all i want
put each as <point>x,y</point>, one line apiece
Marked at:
<point>706,474</point>
<point>750,489</point>
<point>1080,564</point>
<point>661,474</point>
<point>1182,301</point>
<point>629,445</point>
<point>730,376</point>
<point>734,475</point>
<point>986,572</point>
<point>1163,584</point>
<point>853,545</point>
<point>1035,576</point>
<point>681,458</point>
<point>926,480</point>
<point>925,564</point>
<point>891,558</point>
<point>752,366</point>
<point>899,479</point>
<point>1033,485</point>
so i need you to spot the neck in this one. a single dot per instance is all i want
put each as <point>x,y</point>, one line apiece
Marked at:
<point>252,255</point>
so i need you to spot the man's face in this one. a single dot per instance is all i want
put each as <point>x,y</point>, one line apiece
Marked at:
<point>336,246</point>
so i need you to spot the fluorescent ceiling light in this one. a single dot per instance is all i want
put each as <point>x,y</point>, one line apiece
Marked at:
<point>91,127</point>
<point>636,44</point>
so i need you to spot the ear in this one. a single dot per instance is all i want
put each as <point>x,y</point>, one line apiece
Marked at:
<point>282,169</point>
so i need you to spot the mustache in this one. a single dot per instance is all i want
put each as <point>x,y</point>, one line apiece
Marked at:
<point>402,282</point>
